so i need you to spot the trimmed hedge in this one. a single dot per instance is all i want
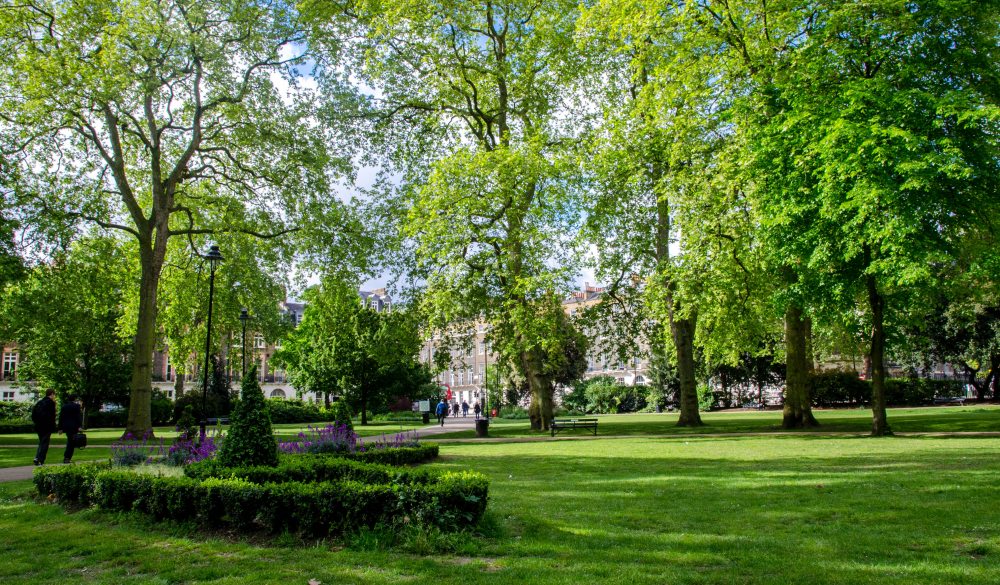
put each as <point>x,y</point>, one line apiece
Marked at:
<point>15,427</point>
<point>447,500</point>
<point>311,468</point>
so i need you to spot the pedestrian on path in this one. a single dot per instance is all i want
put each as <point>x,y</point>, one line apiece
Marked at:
<point>478,409</point>
<point>441,411</point>
<point>465,409</point>
<point>43,415</point>
<point>70,421</point>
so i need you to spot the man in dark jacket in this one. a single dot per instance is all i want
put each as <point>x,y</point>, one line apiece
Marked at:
<point>44,417</point>
<point>70,421</point>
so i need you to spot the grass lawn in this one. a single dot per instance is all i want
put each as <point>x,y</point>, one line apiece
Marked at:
<point>19,456</point>
<point>284,432</point>
<point>984,418</point>
<point>699,510</point>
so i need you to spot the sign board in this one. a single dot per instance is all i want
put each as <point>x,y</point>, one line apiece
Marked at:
<point>425,406</point>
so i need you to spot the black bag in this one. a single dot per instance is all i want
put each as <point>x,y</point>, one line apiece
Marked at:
<point>79,440</point>
<point>37,412</point>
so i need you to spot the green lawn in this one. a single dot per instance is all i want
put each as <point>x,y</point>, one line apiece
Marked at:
<point>19,456</point>
<point>699,510</point>
<point>971,418</point>
<point>284,432</point>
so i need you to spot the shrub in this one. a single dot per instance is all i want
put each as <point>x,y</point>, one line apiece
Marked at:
<point>513,413</point>
<point>446,500</point>
<point>250,440</point>
<point>290,410</point>
<point>187,450</point>
<point>340,412</point>
<point>329,439</point>
<point>16,411</point>
<point>919,391</point>
<point>15,427</point>
<point>129,450</point>
<point>838,388</point>
<point>372,467</point>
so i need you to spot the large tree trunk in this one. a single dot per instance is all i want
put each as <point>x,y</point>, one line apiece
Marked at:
<point>178,383</point>
<point>880,425</point>
<point>797,412</point>
<point>540,411</point>
<point>683,334</point>
<point>139,414</point>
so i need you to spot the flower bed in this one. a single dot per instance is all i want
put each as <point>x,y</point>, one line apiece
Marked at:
<point>447,500</point>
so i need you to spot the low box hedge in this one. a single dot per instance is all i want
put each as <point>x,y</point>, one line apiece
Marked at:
<point>311,468</point>
<point>15,427</point>
<point>448,500</point>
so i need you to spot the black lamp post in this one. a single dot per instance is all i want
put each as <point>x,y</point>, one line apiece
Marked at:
<point>214,257</point>
<point>244,317</point>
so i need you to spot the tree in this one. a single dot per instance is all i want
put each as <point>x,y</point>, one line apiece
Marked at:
<point>250,440</point>
<point>343,347</point>
<point>162,120</point>
<point>475,110</point>
<point>67,319</point>
<point>897,152</point>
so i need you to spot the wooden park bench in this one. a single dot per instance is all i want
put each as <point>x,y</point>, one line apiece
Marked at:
<point>573,423</point>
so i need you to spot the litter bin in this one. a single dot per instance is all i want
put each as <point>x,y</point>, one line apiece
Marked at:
<point>425,417</point>
<point>482,426</point>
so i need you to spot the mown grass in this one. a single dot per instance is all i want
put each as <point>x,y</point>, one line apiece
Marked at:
<point>284,432</point>
<point>984,418</point>
<point>20,456</point>
<point>699,510</point>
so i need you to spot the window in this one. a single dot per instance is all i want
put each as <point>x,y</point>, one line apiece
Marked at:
<point>258,341</point>
<point>8,396</point>
<point>9,364</point>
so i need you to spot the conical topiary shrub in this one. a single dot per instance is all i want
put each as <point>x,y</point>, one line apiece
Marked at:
<point>250,440</point>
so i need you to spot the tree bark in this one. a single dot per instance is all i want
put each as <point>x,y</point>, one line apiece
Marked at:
<point>178,383</point>
<point>797,412</point>
<point>880,424</point>
<point>683,334</point>
<point>540,411</point>
<point>140,422</point>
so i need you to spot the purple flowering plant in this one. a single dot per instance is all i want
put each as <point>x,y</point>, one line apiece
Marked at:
<point>187,450</point>
<point>336,438</point>
<point>131,450</point>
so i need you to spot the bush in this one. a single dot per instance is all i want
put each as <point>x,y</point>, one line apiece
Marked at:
<point>605,395</point>
<point>448,500</point>
<point>250,440</point>
<point>919,391</point>
<point>513,413</point>
<point>285,410</point>
<point>340,412</point>
<point>15,427</point>
<point>16,411</point>
<point>357,466</point>
<point>838,388</point>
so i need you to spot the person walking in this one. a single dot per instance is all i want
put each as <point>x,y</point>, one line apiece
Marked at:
<point>454,409</point>
<point>70,421</point>
<point>465,409</point>
<point>441,411</point>
<point>478,409</point>
<point>43,415</point>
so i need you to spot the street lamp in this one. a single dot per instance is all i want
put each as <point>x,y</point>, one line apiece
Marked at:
<point>244,317</point>
<point>214,257</point>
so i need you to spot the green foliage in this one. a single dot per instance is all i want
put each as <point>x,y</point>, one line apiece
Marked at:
<point>357,495</point>
<point>706,398</point>
<point>15,411</point>
<point>345,348</point>
<point>838,388</point>
<point>187,424</point>
<point>920,391</point>
<point>340,412</point>
<point>15,428</point>
<point>250,439</point>
<point>66,316</point>
<point>290,410</point>
<point>360,466</point>
<point>605,395</point>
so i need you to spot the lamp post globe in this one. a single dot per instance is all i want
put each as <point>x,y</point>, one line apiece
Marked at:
<point>214,257</point>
